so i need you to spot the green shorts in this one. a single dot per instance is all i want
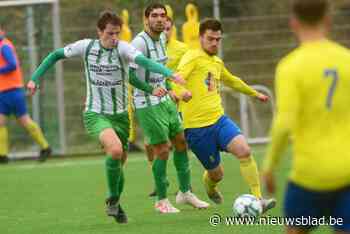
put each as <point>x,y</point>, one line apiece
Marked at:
<point>95,123</point>
<point>160,123</point>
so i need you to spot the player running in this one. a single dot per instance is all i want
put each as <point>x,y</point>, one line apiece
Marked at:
<point>106,62</point>
<point>207,129</point>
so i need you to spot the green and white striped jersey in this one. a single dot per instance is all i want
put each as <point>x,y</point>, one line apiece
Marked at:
<point>155,50</point>
<point>106,73</point>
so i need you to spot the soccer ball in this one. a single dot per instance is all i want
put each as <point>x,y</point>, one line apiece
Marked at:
<point>247,205</point>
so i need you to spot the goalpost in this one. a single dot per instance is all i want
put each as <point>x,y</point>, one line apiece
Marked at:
<point>27,9</point>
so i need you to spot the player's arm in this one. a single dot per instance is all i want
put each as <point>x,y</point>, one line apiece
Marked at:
<point>285,119</point>
<point>49,61</point>
<point>237,84</point>
<point>11,63</point>
<point>138,59</point>
<point>139,84</point>
<point>71,50</point>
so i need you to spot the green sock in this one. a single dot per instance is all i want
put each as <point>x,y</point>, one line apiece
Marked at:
<point>159,173</point>
<point>113,172</point>
<point>182,166</point>
<point>121,182</point>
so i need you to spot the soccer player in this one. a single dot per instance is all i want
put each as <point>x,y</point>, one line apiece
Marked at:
<point>207,129</point>
<point>106,119</point>
<point>312,90</point>
<point>175,50</point>
<point>159,118</point>
<point>13,101</point>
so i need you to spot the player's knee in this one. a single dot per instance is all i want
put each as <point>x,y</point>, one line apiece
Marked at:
<point>115,151</point>
<point>181,144</point>
<point>217,176</point>
<point>243,151</point>
<point>162,151</point>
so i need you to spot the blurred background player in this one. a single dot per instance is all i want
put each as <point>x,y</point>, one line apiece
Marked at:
<point>319,124</point>
<point>13,101</point>
<point>190,29</point>
<point>207,129</point>
<point>158,117</point>
<point>170,14</point>
<point>106,119</point>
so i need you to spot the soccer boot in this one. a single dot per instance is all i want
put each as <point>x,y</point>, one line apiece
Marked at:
<point>44,154</point>
<point>191,199</point>
<point>114,209</point>
<point>4,159</point>
<point>165,207</point>
<point>267,204</point>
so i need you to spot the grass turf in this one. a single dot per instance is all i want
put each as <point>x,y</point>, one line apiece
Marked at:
<point>66,196</point>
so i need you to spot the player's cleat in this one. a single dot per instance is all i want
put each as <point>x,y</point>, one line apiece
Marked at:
<point>165,207</point>
<point>215,196</point>
<point>44,154</point>
<point>268,204</point>
<point>191,199</point>
<point>4,159</point>
<point>153,193</point>
<point>114,209</point>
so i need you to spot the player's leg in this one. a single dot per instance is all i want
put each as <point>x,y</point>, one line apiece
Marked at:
<point>182,165</point>
<point>234,142</point>
<point>150,158</point>
<point>102,129</point>
<point>203,144</point>
<point>239,147</point>
<point>3,139</point>
<point>36,133</point>
<point>154,122</point>
<point>114,172</point>
<point>20,110</point>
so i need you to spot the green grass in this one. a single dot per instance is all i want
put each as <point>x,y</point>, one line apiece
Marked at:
<point>67,196</point>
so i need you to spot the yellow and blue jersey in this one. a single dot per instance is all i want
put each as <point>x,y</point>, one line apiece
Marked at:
<point>312,89</point>
<point>203,74</point>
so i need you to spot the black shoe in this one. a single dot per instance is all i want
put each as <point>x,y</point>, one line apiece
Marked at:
<point>115,210</point>
<point>153,194</point>
<point>4,159</point>
<point>44,154</point>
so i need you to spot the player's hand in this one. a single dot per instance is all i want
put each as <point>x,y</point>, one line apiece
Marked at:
<point>31,87</point>
<point>186,96</point>
<point>268,180</point>
<point>261,97</point>
<point>173,96</point>
<point>159,92</point>
<point>178,79</point>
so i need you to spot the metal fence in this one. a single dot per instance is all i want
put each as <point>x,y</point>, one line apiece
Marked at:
<point>256,37</point>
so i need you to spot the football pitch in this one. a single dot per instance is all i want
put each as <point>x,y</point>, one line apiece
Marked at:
<point>66,196</point>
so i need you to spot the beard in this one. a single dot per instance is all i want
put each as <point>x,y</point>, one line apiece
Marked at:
<point>157,28</point>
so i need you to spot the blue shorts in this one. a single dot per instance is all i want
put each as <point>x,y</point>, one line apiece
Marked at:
<point>13,102</point>
<point>207,142</point>
<point>301,202</point>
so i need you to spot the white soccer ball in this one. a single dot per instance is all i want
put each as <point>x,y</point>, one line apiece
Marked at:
<point>247,205</point>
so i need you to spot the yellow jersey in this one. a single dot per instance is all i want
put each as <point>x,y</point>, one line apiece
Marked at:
<point>203,74</point>
<point>313,95</point>
<point>175,50</point>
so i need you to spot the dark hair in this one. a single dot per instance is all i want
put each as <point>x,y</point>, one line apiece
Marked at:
<point>153,6</point>
<point>108,17</point>
<point>209,24</point>
<point>310,12</point>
